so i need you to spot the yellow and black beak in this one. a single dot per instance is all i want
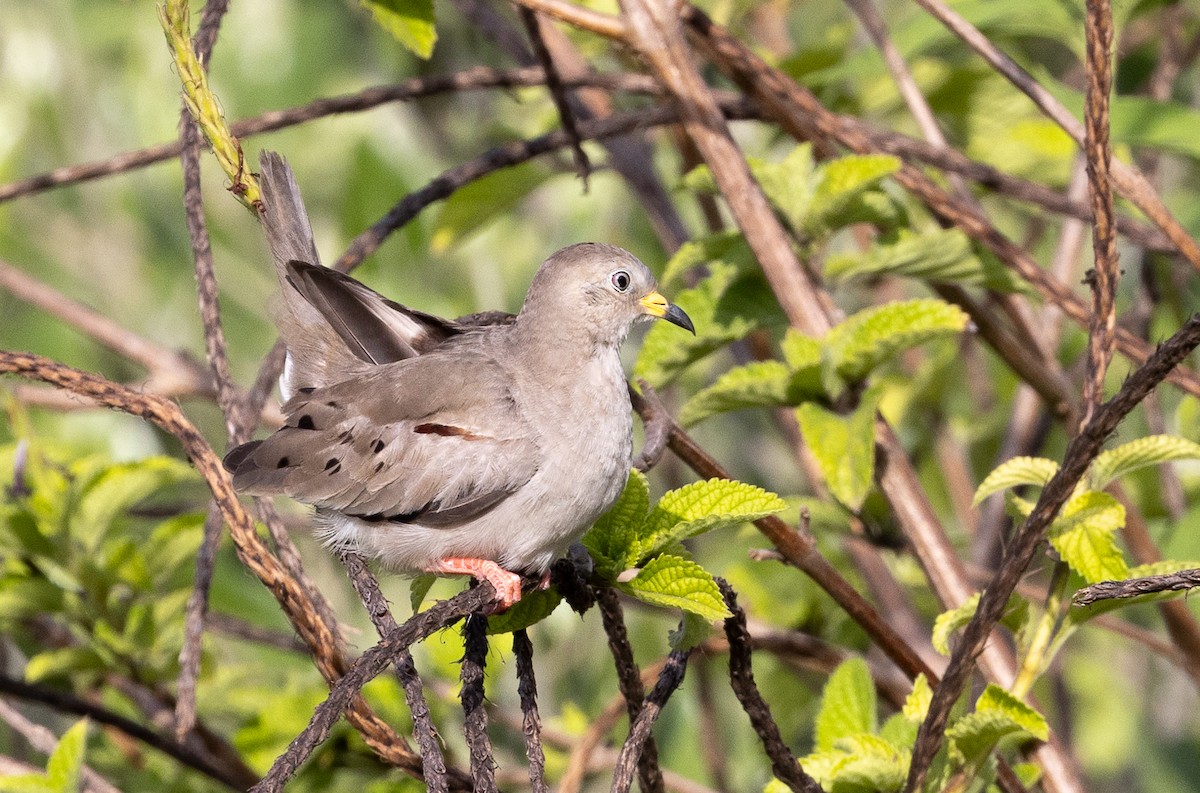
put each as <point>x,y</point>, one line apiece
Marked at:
<point>657,306</point>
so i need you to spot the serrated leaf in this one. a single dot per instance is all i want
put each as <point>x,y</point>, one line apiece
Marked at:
<point>1016,612</point>
<point>823,766</point>
<point>875,766</point>
<point>701,507</point>
<point>839,182</point>
<point>757,384</point>
<point>1128,457</point>
<point>62,769</point>
<point>612,540</point>
<point>1015,472</point>
<point>1164,567</point>
<point>533,607</point>
<point>916,704</point>
<point>724,307</point>
<point>844,447</point>
<point>675,582</point>
<point>418,588</point>
<point>899,731</point>
<point>847,704</point>
<point>411,22</point>
<point>119,487</point>
<point>995,699</point>
<point>479,202</point>
<point>800,351</point>
<point>940,255</point>
<point>870,337</point>
<point>789,184</point>
<point>1083,537</point>
<point>975,735</point>
<point>728,247</point>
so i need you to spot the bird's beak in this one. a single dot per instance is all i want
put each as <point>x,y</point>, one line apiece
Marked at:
<point>657,306</point>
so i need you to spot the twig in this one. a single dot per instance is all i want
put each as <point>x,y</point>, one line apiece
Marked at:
<point>1105,275</point>
<point>531,722</point>
<point>237,778</point>
<point>483,760</point>
<point>529,19</point>
<point>236,628</point>
<point>478,78</point>
<point>639,729</point>
<point>629,681</point>
<point>44,741</point>
<point>295,601</point>
<point>1079,454</point>
<point>1127,179</point>
<point>741,676</point>
<point>1111,590</point>
<point>365,669</point>
<point>433,760</point>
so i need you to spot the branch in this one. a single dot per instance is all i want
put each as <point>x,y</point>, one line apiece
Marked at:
<point>1133,587</point>
<point>483,759</point>
<point>639,729</point>
<point>531,722</point>
<point>1079,454</point>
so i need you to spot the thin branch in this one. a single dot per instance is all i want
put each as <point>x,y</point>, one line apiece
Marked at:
<point>741,676</point>
<point>639,729</point>
<point>529,18</point>
<point>1079,454</point>
<point>233,777</point>
<point>629,681</point>
<point>364,670</point>
<point>1133,587</point>
<point>483,759</point>
<point>531,722</point>
<point>1105,275</point>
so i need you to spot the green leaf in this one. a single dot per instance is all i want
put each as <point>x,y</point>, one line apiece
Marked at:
<point>724,307</point>
<point>916,704</point>
<point>847,704</point>
<point>839,183</point>
<point>1164,567</point>
<point>62,769</point>
<point>1083,537</point>
<point>789,184</point>
<point>940,255</point>
<point>701,507</point>
<point>997,714</point>
<point>411,22</point>
<point>1016,612</point>
<point>119,487</point>
<point>725,246</point>
<point>800,351</point>
<point>693,629</point>
<point>613,538</point>
<point>675,582</point>
<point>1015,472</point>
<point>62,661</point>
<point>874,766</point>
<point>418,588</point>
<point>27,783</point>
<point>870,337</point>
<point>533,607</point>
<point>477,203</point>
<point>757,384</point>
<point>1128,457</point>
<point>844,447</point>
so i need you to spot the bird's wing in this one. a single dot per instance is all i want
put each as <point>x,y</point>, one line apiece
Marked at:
<point>375,329</point>
<point>434,440</point>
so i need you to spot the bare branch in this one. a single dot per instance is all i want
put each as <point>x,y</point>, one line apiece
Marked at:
<point>639,729</point>
<point>1133,587</point>
<point>531,722</point>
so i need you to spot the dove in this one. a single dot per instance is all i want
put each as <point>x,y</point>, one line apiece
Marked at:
<point>483,446</point>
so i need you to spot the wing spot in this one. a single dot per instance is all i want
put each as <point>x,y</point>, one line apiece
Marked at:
<point>377,447</point>
<point>283,462</point>
<point>306,389</point>
<point>379,466</point>
<point>331,404</point>
<point>330,463</point>
<point>306,422</point>
<point>447,431</point>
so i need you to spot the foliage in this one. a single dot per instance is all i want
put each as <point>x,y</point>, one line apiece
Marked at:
<point>62,768</point>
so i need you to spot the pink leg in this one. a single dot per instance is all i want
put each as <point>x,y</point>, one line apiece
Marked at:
<point>506,583</point>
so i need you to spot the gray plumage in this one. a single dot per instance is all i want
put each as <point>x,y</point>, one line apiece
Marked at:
<point>446,446</point>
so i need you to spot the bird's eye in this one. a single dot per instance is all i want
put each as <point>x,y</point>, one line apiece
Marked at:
<point>620,280</point>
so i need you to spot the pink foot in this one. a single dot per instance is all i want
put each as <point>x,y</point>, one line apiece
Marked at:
<point>506,583</point>
<point>544,584</point>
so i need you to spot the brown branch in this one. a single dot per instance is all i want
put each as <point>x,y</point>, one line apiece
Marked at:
<point>483,760</point>
<point>365,669</point>
<point>639,729</point>
<point>1105,275</point>
<point>292,597</point>
<point>237,778</point>
<point>1079,454</point>
<point>531,722</point>
<point>529,18</point>
<point>629,681</point>
<point>741,676</point>
<point>1133,587</point>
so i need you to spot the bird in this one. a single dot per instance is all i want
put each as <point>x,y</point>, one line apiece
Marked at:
<point>483,446</point>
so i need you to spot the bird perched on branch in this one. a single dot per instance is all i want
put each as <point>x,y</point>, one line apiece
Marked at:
<point>483,446</point>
